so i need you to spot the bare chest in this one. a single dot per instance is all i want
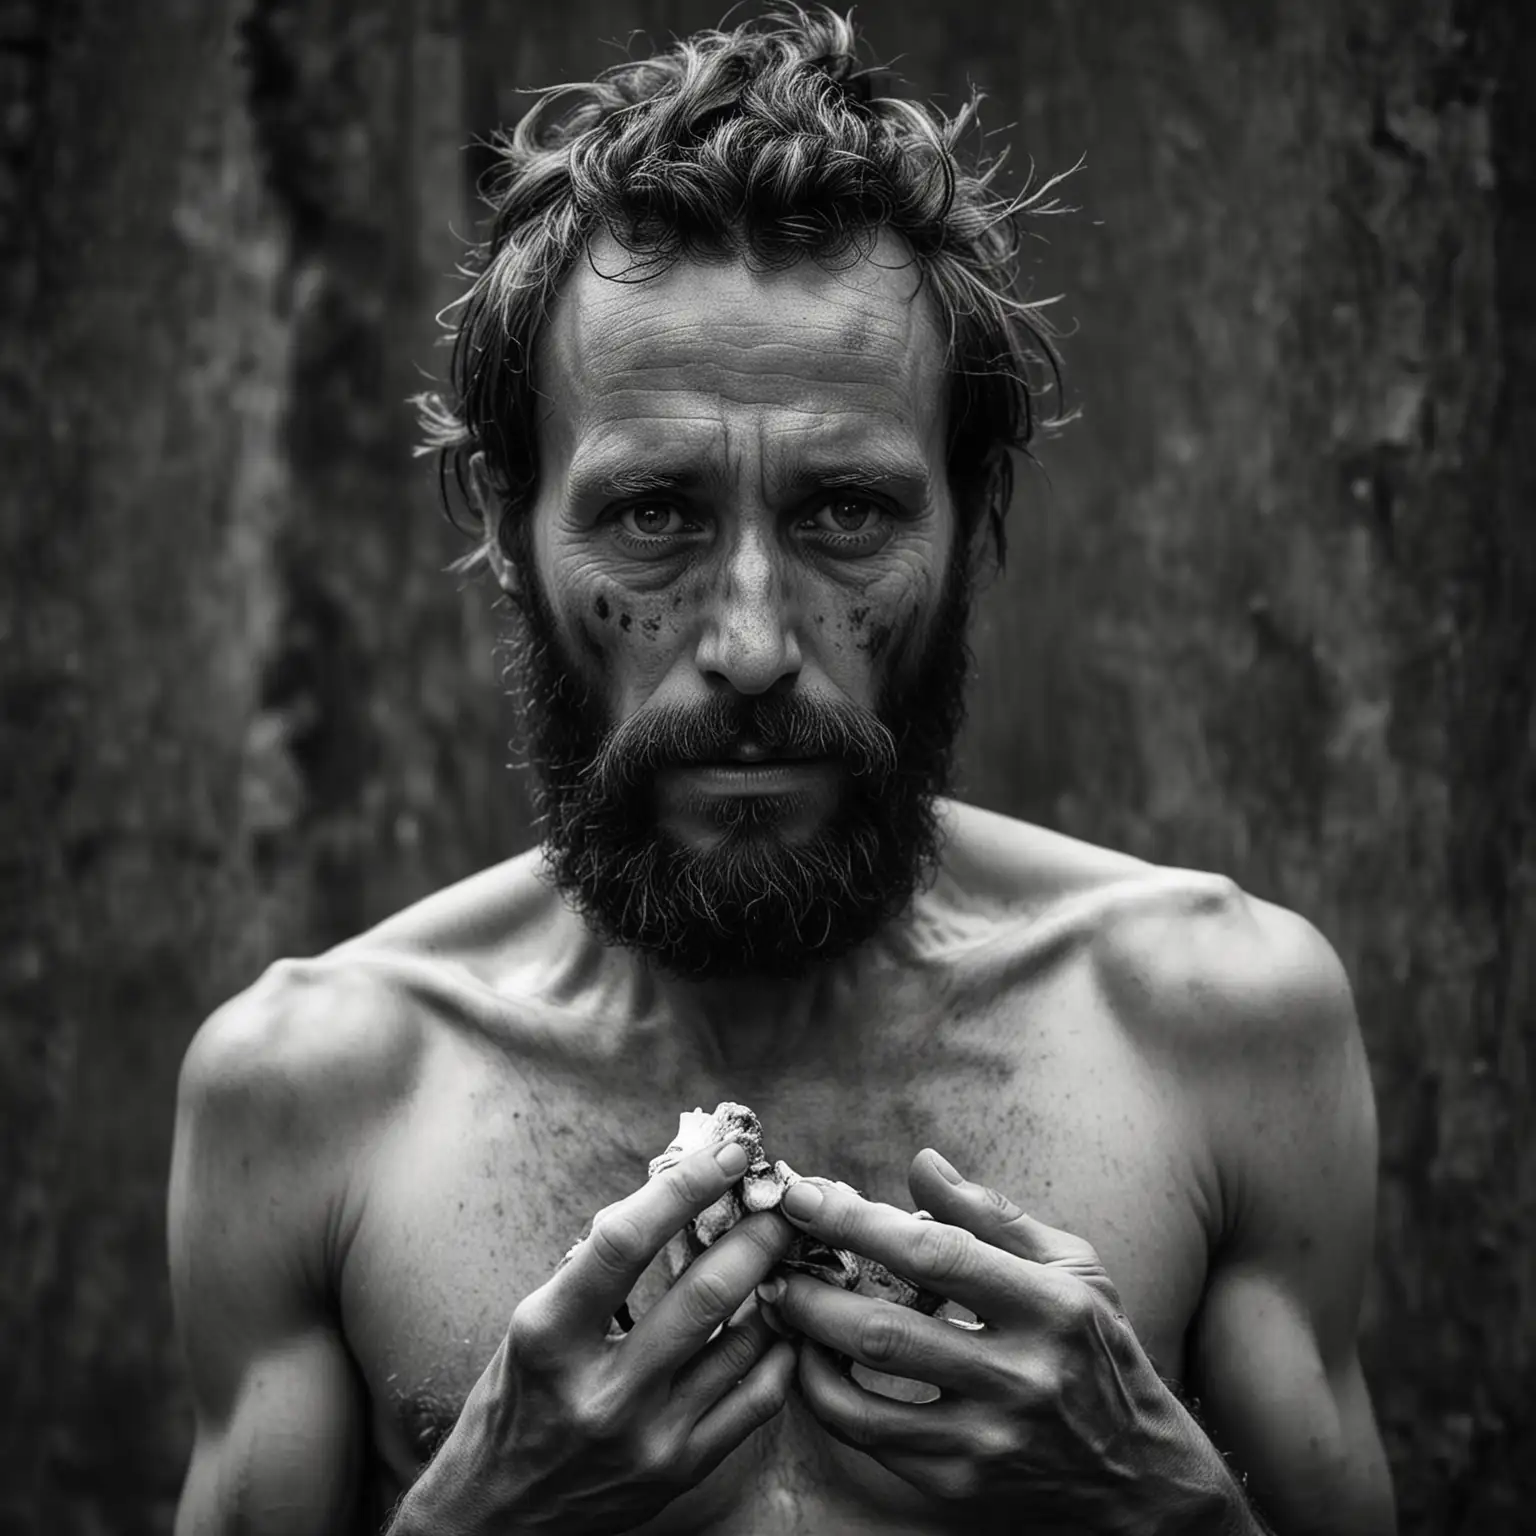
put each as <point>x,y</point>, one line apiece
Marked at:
<point>475,1193</point>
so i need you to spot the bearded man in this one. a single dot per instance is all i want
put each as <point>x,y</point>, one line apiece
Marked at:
<point>735,388</point>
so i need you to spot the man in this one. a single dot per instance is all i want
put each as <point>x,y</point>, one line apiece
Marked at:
<point>734,392</point>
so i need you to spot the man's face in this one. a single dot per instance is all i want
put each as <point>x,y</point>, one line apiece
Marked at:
<point>743,553</point>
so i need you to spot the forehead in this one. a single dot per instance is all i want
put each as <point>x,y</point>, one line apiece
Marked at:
<point>837,353</point>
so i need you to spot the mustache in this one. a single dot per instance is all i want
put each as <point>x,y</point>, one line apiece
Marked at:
<point>792,725</point>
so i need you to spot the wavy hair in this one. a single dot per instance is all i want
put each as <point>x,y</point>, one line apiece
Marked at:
<point>767,143</point>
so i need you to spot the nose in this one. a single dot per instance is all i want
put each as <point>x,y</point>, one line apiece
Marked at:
<point>749,635</point>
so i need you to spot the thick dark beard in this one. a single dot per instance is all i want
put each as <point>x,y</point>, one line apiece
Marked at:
<point>752,905</point>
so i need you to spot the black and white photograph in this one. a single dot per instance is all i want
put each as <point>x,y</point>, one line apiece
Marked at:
<point>767,771</point>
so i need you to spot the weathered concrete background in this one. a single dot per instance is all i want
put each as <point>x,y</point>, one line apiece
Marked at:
<point>1270,610</point>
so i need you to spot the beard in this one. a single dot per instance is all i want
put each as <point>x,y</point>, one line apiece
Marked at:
<point>752,904</point>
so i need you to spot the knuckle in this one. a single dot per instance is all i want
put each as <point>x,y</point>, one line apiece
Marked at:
<point>739,1349</point>
<point>707,1298</point>
<point>532,1340</point>
<point>1084,1256</point>
<point>599,1416</point>
<point>695,1180</point>
<point>617,1241</point>
<point>769,1233</point>
<point>1045,1382</point>
<point>1075,1304</point>
<point>658,1455</point>
<point>766,1395</point>
<point>960,1482</point>
<point>883,1334</point>
<point>942,1252</point>
<point>859,1428</point>
<point>997,1443</point>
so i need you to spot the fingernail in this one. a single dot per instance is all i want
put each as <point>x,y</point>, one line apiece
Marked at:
<point>945,1168</point>
<point>732,1158</point>
<point>771,1292</point>
<point>801,1201</point>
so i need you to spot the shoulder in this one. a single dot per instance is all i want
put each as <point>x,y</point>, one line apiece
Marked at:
<point>308,1037</point>
<point>318,1045</point>
<point>1247,1006</point>
<point>1239,1003</point>
<point>1246,1001</point>
<point>1180,948</point>
<point>280,1093</point>
<point>1192,953</point>
<point>1177,948</point>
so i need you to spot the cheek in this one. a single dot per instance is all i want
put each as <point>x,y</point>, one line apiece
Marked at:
<point>877,630</point>
<point>615,629</point>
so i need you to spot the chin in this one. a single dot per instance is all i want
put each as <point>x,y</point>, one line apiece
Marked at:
<point>745,893</point>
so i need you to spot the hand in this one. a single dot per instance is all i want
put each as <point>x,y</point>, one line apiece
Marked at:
<point>1051,1411</point>
<point>571,1429</point>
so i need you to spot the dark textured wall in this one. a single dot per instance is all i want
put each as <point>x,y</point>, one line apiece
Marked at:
<point>1269,607</point>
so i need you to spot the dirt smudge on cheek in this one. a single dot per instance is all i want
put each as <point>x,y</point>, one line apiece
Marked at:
<point>879,639</point>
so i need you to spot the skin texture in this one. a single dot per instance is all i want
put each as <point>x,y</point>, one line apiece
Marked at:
<point>742,610</point>
<point>1155,1082</point>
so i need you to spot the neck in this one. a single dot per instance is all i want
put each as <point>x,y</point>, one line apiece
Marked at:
<point>752,1023</point>
<point>723,1023</point>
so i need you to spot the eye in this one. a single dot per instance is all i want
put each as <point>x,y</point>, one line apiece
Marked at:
<point>849,517</point>
<point>650,519</point>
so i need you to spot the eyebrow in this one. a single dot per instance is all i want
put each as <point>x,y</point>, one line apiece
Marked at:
<point>897,473</point>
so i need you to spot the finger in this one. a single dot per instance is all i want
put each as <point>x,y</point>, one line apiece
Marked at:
<point>721,1365</point>
<point>762,1393</point>
<point>889,1338</point>
<point>707,1294</point>
<point>990,1214</point>
<point>626,1236</point>
<point>995,1219</point>
<point>871,1423</point>
<point>939,1257</point>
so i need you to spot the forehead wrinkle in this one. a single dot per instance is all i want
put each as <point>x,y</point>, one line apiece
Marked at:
<point>672,426</point>
<point>610,346</point>
<point>729,400</point>
<point>709,358</point>
<point>829,316</point>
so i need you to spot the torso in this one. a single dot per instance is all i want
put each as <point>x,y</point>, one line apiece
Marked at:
<point>524,1119</point>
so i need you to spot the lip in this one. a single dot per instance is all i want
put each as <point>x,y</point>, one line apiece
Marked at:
<point>756,778</point>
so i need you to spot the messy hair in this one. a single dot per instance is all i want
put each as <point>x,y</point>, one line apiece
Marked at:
<point>768,144</point>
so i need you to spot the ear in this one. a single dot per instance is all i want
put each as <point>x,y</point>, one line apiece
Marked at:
<point>488,499</point>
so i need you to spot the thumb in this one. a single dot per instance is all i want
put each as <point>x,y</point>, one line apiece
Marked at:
<point>989,1214</point>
